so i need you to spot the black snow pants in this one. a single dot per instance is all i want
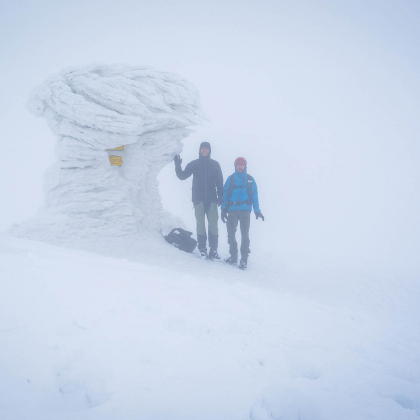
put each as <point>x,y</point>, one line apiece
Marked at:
<point>244,219</point>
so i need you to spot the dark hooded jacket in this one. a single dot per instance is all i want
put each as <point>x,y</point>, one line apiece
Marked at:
<point>207,185</point>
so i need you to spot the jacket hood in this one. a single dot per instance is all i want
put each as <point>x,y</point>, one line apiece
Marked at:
<point>245,172</point>
<point>208,146</point>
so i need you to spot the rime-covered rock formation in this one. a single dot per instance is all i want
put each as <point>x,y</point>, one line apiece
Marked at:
<point>95,108</point>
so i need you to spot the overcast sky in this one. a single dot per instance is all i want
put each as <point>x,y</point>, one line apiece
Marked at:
<point>321,97</point>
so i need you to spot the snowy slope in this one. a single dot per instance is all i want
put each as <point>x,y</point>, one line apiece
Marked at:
<point>160,334</point>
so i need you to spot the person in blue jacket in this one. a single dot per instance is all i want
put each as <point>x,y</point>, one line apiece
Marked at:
<point>240,195</point>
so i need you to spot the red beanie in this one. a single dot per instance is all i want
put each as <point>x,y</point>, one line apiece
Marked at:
<point>240,159</point>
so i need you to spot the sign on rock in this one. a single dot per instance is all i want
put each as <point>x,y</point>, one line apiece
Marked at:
<point>115,160</point>
<point>117,148</point>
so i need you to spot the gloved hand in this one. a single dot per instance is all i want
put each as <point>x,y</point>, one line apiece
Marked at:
<point>224,215</point>
<point>220,202</point>
<point>259,214</point>
<point>177,160</point>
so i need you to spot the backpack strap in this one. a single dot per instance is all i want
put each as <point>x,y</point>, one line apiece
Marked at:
<point>230,188</point>
<point>249,187</point>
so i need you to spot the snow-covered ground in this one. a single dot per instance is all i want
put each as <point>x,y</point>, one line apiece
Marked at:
<point>136,329</point>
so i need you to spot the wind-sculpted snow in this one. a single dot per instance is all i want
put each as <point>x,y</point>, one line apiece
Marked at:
<point>95,108</point>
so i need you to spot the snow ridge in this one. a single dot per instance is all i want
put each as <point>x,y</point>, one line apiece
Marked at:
<point>94,108</point>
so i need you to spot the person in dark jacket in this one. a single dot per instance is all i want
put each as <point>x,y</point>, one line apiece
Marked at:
<point>240,195</point>
<point>207,194</point>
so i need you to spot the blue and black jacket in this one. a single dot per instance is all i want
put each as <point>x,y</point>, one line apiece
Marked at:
<point>236,197</point>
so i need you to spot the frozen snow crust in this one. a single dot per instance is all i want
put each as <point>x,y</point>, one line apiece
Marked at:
<point>95,108</point>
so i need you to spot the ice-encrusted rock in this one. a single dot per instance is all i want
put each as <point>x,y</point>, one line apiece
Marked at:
<point>94,108</point>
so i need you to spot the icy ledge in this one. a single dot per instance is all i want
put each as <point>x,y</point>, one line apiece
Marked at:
<point>94,108</point>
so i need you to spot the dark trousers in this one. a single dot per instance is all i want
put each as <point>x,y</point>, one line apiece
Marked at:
<point>244,219</point>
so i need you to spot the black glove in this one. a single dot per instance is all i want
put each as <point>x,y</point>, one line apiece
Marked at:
<point>224,215</point>
<point>177,160</point>
<point>259,214</point>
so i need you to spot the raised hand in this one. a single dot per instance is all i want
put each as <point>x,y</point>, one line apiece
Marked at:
<point>177,160</point>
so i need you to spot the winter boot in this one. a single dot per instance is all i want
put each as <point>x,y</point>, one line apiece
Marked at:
<point>213,255</point>
<point>233,259</point>
<point>243,265</point>
<point>203,253</point>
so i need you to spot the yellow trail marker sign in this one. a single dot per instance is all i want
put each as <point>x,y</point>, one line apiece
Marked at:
<point>116,160</point>
<point>117,148</point>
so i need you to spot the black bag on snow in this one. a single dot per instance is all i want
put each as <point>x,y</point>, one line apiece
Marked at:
<point>181,239</point>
